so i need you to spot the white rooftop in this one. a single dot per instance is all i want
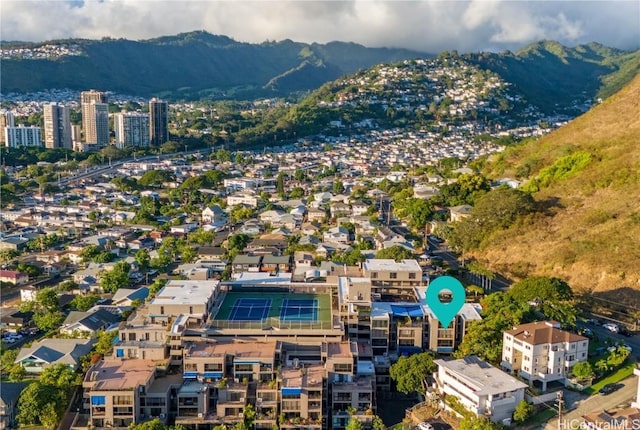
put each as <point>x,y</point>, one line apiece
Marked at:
<point>185,292</point>
<point>389,264</point>
<point>480,376</point>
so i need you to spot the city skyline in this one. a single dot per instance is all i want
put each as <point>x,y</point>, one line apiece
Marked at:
<point>427,26</point>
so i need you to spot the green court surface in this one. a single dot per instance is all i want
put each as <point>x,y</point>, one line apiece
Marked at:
<point>234,301</point>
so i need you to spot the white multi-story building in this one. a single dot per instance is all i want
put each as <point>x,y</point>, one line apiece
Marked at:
<point>243,199</point>
<point>22,136</point>
<point>540,352</point>
<point>480,388</point>
<point>132,129</point>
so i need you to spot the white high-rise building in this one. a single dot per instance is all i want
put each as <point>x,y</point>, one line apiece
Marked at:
<point>22,136</point>
<point>132,129</point>
<point>57,126</point>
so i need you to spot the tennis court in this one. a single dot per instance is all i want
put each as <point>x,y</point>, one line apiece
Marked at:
<point>246,309</point>
<point>254,306</point>
<point>299,310</point>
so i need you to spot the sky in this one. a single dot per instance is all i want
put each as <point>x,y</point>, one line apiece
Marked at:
<point>423,25</point>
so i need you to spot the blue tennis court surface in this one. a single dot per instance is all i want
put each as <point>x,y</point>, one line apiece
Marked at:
<point>299,310</point>
<point>246,309</point>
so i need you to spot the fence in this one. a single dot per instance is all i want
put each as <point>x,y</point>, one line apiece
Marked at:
<point>273,324</point>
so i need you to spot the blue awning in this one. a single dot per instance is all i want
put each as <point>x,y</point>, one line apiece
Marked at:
<point>413,311</point>
<point>212,374</point>
<point>98,401</point>
<point>291,391</point>
<point>190,375</point>
<point>445,349</point>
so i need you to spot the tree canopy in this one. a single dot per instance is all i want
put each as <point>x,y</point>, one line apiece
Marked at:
<point>410,373</point>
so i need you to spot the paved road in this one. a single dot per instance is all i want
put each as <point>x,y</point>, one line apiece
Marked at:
<point>595,403</point>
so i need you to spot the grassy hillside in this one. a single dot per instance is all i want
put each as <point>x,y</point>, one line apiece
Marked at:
<point>590,235</point>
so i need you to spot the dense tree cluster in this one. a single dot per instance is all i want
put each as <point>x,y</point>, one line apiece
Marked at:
<point>528,300</point>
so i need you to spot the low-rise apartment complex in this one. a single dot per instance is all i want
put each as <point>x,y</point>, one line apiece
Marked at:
<point>540,352</point>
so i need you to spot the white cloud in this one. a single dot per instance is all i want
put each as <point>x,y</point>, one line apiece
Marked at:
<point>425,25</point>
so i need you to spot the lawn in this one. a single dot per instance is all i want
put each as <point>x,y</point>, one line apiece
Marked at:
<point>623,372</point>
<point>541,417</point>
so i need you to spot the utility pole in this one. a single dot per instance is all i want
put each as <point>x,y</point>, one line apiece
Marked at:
<point>560,403</point>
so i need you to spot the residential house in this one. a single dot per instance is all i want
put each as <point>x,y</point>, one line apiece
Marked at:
<point>14,277</point>
<point>89,322</point>
<point>340,209</point>
<point>214,253</point>
<point>13,243</point>
<point>480,388</point>
<point>540,352</point>
<point>16,319</point>
<point>276,264</point>
<point>45,352</point>
<point>337,234</point>
<point>271,216</point>
<point>9,395</point>
<point>246,199</point>
<point>310,228</point>
<point>287,221</point>
<point>316,214</point>
<point>359,208</point>
<point>458,213</point>
<point>252,227</point>
<point>303,259</point>
<point>126,296</point>
<point>213,214</point>
<point>246,263</point>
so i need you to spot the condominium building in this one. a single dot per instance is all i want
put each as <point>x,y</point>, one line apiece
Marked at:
<point>95,117</point>
<point>132,129</point>
<point>480,388</point>
<point>57,126</point>
<point>159,122</point>
<point>15,137</point>
<point>113,389</point>
<point>392,277</point>
<point>352,383</point>
<point>303,395</point>
<point>540,352</point>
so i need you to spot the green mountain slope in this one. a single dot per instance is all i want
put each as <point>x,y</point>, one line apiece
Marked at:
<point>550,75</point>
<point>588,176</point>
<point>196,64</point>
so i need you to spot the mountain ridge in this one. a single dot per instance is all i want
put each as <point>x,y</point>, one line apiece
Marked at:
<point>195,65</point>
<point>189,65</point>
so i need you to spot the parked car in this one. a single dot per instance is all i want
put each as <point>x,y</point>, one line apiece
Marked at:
<point>425,426</point>
<point>609,388</point>
<point>586,332</point>
<point>625,332</point>
<point>613,328</point>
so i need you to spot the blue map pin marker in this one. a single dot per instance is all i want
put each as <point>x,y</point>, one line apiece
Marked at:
<point>445,312</point>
